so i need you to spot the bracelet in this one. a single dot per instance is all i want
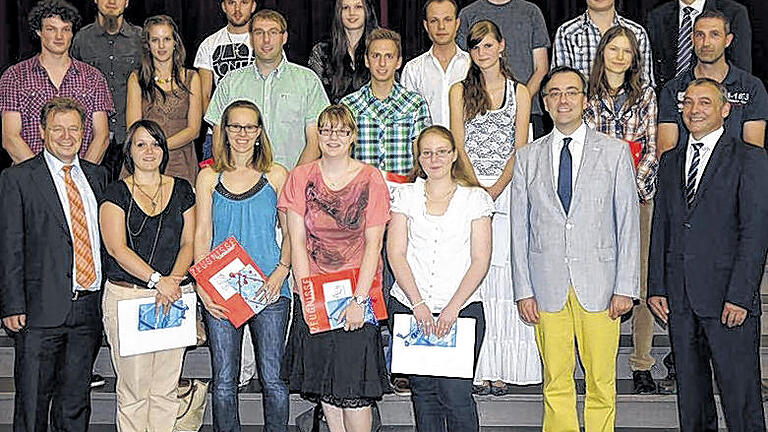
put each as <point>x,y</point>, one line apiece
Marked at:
<point>418,304</point>
<point>281,264</point>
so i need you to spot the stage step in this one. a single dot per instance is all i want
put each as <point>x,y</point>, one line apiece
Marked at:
<point>521,408</point>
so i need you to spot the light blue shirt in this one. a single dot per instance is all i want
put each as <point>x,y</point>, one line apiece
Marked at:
<point>90,206</point>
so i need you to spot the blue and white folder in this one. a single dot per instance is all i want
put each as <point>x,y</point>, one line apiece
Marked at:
<point>141,330</point>
<point>414,353</point>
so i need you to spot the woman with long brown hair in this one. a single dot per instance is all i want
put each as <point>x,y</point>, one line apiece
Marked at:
<point>439,247</point>
<point>623,106</point>
<point>340,60</point>
<point>164,91</point>
<point>489,119</point>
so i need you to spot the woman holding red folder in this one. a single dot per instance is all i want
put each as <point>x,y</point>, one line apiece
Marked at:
<point>621,105</point>
<point>439,248</point>
<point>337,209</point>
<point>237,196</point>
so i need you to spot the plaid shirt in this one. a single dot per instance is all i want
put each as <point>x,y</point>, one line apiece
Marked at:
<point>631,123</point>
<point>25,87</point>
<point>576,44</point>
<point>386,128</point>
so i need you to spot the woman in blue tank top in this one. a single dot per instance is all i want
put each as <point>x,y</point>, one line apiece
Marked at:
<point>237,196</point>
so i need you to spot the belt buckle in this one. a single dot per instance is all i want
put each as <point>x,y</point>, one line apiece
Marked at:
<point>76,295</point>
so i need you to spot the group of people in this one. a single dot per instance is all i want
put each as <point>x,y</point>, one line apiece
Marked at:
<point>646,196</point>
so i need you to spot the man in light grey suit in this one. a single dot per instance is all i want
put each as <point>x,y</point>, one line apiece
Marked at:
<point>575,246</point>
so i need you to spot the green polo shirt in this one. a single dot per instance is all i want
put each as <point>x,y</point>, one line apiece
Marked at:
<point>290,98</point>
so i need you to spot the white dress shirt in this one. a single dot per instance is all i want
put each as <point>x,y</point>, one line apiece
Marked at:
<point>439,252</point>
<point>698,7</point>
<point>90,206</point>
<point>705,152</point>
<point>576,147</point>
<point>425,75</point>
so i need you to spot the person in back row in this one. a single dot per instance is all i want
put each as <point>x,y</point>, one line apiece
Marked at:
<point>289,96</point>
<point>224,51</point>
<point>28,85</point>
<point>388,116</point>
<point>340,61</point>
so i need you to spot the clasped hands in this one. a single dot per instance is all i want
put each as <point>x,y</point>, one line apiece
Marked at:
<point>440,326</point>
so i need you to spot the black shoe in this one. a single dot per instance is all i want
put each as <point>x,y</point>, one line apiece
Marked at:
<point>401,386</point>
<point>668,385</point>
<point>643,382</point>
<point>481,389</point>
<point>97,380</point>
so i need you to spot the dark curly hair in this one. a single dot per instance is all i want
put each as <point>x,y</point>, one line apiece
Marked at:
<point>51,8</point>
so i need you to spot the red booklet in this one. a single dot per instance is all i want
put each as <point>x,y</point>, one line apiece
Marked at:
<point>324,297</point>
<point>231,279</point>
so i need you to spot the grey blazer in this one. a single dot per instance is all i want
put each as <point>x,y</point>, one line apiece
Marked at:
<point>595,247</point>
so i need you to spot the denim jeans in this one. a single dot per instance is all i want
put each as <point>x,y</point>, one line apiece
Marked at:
<point>268,330</point>
<point>208,147</point>
<point>445,404</point>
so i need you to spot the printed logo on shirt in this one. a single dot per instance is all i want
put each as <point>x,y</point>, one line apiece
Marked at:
<point>229,57</point>
<point>735,98</point>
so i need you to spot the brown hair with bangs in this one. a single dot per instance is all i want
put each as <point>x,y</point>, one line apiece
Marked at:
<point>338,115</point>
<point>633,81</point>
<point>262,148</point>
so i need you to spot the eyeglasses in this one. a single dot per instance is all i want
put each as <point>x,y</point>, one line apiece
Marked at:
<point>58,130</point>
<point>440,154</point>
<point>569,94</point>
<point>236,128</point>
<point>343,133</point>
<point>272,33</point>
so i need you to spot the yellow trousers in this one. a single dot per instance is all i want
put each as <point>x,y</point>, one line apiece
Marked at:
<point>597,338</point>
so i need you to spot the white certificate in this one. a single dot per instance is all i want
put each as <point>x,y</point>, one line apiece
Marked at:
<point>135,331</point>
<point>452,356</point>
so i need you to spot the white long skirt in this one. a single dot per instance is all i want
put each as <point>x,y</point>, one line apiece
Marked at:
<point>509,351</point>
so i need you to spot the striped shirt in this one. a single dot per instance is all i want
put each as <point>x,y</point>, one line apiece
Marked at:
<point>576,44</point>
<point>387,128</point>
<point>25,87</point>
<point>630,123</point>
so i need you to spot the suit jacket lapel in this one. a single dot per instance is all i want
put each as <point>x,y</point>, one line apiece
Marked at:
<point>42,179</point>
<point>672,24</point>
<point>589,156</point>
<point>716,160</point>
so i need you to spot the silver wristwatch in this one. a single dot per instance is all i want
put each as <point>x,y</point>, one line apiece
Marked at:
<point>360,300</point>
<point>153,280</point>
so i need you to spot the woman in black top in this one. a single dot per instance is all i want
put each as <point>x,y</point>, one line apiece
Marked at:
<point>340,60</point>
<point>147,224</point>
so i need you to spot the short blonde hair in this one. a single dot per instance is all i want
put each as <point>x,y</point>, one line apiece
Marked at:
<point>337,114</point>
<point>381,33</point>
<point>271,15</point>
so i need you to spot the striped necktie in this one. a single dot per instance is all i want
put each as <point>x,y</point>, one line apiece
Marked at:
<point>81,243</point>
<point>690,184</point>
<point>684,42</point>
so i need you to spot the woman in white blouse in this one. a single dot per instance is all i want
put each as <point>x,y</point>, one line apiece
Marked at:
<point>439,248</point>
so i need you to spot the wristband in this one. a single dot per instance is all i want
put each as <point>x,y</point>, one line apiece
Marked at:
<point>418,304</point>
<point>281,264</point>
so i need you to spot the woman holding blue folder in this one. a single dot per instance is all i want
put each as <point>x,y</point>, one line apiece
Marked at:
<point>147,222</point>
<point>236,196</point>
<point>439,248</point>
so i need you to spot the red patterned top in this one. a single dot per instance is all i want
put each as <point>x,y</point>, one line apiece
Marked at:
<point>25,87</point>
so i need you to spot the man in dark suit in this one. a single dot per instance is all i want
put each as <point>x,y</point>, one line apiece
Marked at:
<point>50,273</point>
<point>669,27</point>
<point>708,247</point>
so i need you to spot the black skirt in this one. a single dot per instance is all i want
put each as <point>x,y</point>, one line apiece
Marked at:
<point>345,369</point>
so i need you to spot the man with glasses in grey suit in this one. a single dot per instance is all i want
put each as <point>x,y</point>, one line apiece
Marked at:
<point>575,247</point>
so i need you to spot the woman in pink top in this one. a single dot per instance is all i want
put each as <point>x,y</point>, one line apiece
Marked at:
<point>337,210</point>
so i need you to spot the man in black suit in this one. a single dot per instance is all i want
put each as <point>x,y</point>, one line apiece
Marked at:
<point>667,23</point>
<point>708,247</point>
<point>50,273</point>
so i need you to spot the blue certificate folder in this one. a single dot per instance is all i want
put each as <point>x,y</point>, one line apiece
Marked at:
<point>152,317</point>
<point>416,336</point>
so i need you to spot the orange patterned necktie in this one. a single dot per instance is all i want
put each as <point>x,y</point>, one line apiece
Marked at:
<point>86,272</point>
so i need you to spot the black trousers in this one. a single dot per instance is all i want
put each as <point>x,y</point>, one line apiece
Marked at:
<point>53,369</point>
<point>734,353</point>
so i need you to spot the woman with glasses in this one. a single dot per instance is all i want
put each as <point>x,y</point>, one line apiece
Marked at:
<point>337,209</point>
<point>164,91</point>
<point>489,115</point>
<point>439,247</point>
<point>623,106</point>
<point>237,196</point>
<point>147,223</point>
